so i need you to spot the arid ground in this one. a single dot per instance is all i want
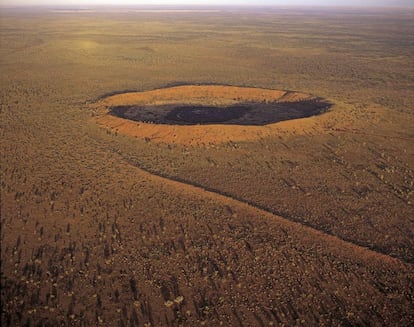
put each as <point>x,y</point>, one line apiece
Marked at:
<point>110,221</point>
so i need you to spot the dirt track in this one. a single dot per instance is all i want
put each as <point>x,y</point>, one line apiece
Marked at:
<point>304,233</point>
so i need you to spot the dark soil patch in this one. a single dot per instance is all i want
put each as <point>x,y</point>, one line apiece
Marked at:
<point>257,114</point>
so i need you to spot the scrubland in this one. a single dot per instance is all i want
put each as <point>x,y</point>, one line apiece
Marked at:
<point>310,225</point>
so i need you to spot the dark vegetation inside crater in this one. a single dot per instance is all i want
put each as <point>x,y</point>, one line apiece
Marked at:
<point>242,114</point>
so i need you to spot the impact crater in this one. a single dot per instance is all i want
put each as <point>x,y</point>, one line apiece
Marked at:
<point>202,114</point>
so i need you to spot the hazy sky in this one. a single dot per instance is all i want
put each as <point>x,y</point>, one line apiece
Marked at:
<point>396,3</point>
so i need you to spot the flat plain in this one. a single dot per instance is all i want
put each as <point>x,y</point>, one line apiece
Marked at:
<point>307,222</point>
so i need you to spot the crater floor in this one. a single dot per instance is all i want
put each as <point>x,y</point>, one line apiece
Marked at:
<point>205,113</point>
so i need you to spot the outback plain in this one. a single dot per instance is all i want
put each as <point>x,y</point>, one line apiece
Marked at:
<point>137,220</point>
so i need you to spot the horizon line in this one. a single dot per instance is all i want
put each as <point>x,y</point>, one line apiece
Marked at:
<point>203,5</point>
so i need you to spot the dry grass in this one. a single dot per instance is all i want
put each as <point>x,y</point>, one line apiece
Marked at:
<point>309,225</point>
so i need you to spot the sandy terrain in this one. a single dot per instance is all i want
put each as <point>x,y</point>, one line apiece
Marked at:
<point>110,222</point>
